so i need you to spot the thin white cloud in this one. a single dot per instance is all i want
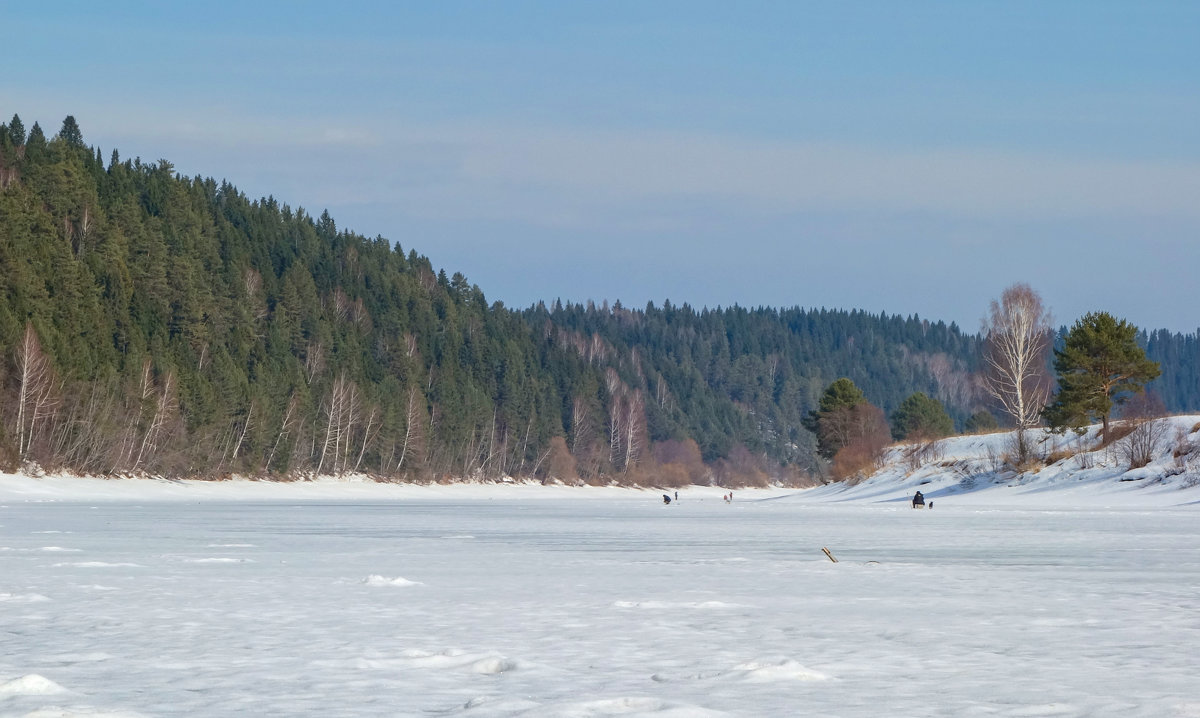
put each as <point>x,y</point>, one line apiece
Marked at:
<point>564,177</point>
<point>787,176</point>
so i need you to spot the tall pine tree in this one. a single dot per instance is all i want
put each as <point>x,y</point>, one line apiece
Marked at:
<point>1099,365</point>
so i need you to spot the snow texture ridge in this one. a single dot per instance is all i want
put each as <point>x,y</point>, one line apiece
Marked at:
<point>377,580</point>
<point>31,685</point>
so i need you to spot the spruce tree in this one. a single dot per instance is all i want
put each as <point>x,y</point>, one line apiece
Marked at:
<point>1100,363</point>
<point>70,132</point>
<point>35,144</point>
<point>16,131</point>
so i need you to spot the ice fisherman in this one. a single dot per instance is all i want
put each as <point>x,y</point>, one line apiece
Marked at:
<point>918,499</point>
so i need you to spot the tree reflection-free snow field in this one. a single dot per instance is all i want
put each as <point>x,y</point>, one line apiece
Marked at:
<point>595,607</point>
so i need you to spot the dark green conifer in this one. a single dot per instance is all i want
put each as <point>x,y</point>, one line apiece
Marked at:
<point>981,422</point>
<point>35,144</point>
<point>16,131</point>
<point>832,414</point>
<point>70,132</point>
<point>921,417</point>
<point>1099,365</point>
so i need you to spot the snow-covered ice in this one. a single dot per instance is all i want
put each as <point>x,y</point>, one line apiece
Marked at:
<point>246,598</point>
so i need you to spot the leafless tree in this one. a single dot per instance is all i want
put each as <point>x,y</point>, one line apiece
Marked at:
<point>1142,416</point>
<point>36,398</point>
<point>242,434</point>
<point>581,424</point>
<point>586,441</point>
<point>368,436</point>
<point>342,408</point>
<point>1144,443</point>
<point>683,454</point>
<point>160,403</point>
<point>1017,336</point>
<point>314,360</point>
<point>285,427</point>
<point>83,227</point>
<point>634,427</point>
<point>868,438</point>
<point>342,304</point>
<point>561,465</point>
<point>615,391</point>
<point>414,420</point>
<point>254,293</point>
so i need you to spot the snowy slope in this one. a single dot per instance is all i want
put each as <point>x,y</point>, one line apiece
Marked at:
<point>1074,470</point>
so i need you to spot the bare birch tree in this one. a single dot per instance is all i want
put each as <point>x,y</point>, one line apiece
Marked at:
<point>616,391</point>
<point>342,412</point>
<point>285,427</point>
<point>413,423</point>
<point>1017,337</point>
<point>367,436</point>
<point>634,427</point>
<point>242,434</point>
<point>614,429</point>
<point>35,394</point>
<point>163,405</point>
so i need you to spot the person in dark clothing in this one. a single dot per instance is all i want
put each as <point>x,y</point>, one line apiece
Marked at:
<point>666,499</point>
<point>918,500</point>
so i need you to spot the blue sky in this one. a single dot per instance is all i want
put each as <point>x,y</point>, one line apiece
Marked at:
<point>902,157</point>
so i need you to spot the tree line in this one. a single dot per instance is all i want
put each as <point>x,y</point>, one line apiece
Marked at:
<point>1098,366</point>
<point>153,323</point>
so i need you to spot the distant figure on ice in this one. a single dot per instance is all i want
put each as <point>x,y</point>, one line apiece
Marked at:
<point>676,495</point>
<point>918,500</point>
<point>666,499</point>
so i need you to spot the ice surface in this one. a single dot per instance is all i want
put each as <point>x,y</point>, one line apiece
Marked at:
<point>1006,602</point>
<point>1069,591</point>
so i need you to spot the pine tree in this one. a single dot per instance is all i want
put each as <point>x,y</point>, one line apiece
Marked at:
<point>834,418</point>
<point>841,393</point>
<point>1100,363</point>
<point>921,417</point>
<point>981,422</point>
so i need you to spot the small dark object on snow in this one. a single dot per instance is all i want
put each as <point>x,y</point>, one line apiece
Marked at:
<point>918,499</point>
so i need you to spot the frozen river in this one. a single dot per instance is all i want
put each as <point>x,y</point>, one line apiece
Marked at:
<point>596,607</point>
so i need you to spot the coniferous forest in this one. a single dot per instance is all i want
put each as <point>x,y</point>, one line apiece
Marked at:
<point>152,323</point>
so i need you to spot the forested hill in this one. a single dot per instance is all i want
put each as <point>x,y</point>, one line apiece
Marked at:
<point>154,323</point>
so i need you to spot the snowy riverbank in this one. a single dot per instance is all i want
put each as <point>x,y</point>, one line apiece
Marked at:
<point>967,470</point>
